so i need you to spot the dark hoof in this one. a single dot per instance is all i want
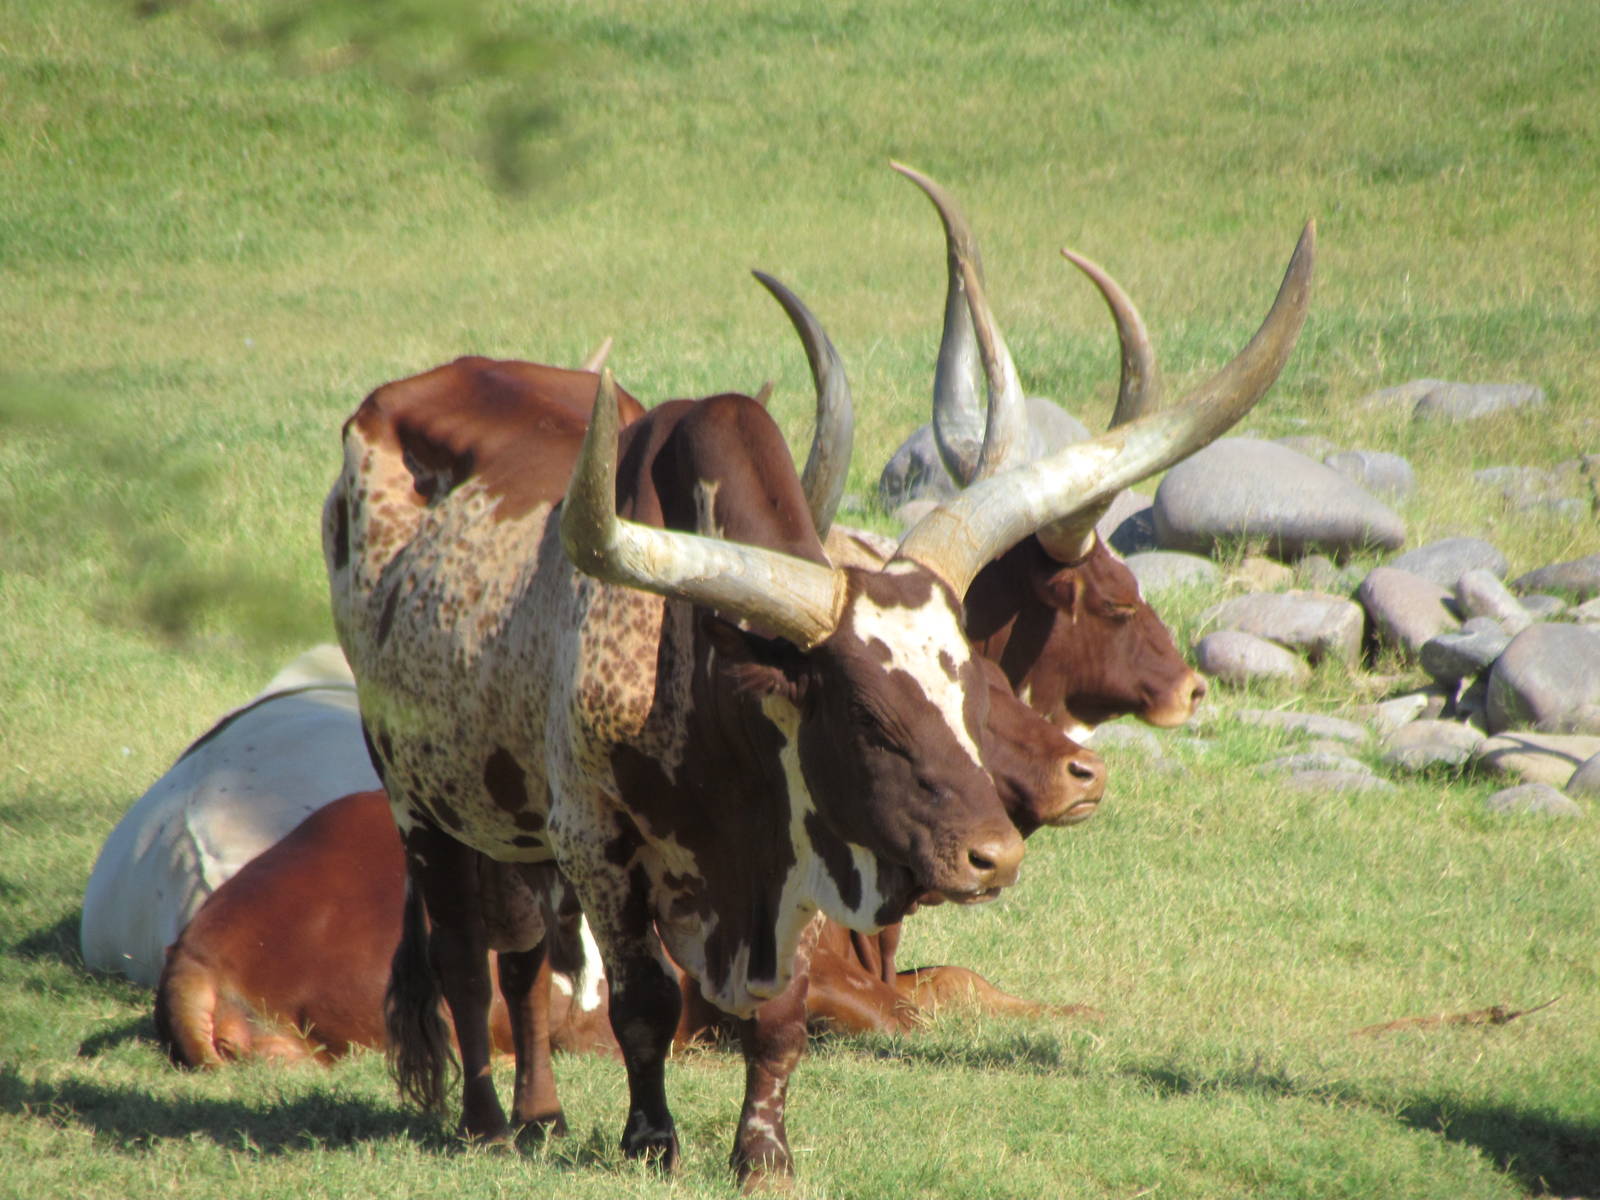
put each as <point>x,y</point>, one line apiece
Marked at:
<point>536,1130</point>
<point>656,1146</point>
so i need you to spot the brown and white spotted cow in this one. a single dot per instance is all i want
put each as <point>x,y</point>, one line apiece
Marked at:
<point>289,958</point>
<point>696,782</point>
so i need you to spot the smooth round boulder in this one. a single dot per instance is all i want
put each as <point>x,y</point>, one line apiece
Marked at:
<point>1305,724</point>
<point>1239,659</point>
<point>1550,758</point>
<point>1545,679</point>
<point>1474,401</point>
<point>1249,488</point>
<point>1406,609</point>
<point>1450,657</point>
<point>1445,561</point>
<point>1162,570</point>
<point>1534,799</point>
<point>1479,593</point>
<point>1585,780</point>
<point>1313,623</point>
<point>1578,577</point>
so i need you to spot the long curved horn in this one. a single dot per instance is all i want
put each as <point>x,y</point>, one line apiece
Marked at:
<point>597,357</point>
<point>1139,391</point>
<point>828,463</point>
<point>959,537</point>
<point>787,596</point>
<point>955,406</point>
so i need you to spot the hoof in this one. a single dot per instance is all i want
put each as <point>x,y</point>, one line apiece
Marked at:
<point>542,1128</point>
<point>657,1147</point>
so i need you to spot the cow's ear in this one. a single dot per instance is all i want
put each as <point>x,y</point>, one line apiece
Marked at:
<point>1064,592</point>
<point>764,665</point>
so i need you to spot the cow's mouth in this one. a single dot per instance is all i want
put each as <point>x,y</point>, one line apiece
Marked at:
<point>1078,813</point>
<point>932,898</point>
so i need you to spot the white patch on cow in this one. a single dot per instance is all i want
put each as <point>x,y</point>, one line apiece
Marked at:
<point>810,884</point>
<point>1079,732</point>
<point>563,984</point>
<point>921,641</point>
<point>594,968</point>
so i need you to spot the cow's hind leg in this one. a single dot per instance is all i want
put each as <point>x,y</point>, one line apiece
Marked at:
<point>447,873</point>
<point>525,984</point>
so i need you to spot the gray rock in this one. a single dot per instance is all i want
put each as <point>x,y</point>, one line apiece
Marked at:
<point>1425,744</point>
<point>1336,782</point>
<point>1585,780</point>
<point>1579,577</point>
<point>1550,758</point>
<point>1125,736</point>
<point>1520,485</point>
<point>1545,676</point>
<point>1479,593</point>
<point>1386,716</point>
<point>1536,799</point>
<point>1472,401</point>
<point>1312,445</point>
<point>1453,656</point>
<point>1406,609</point>
<point>1542,606</point>
<point>914,472</point>
<point>1243,487</point>
<point>1381,473</point>
<point>1445,561</point>
<point>1317,625</point>
<point>1316,725</point>
<point>1587,613</point>
<point>1239,659</point>
<point>1128,526</point>
<point>1162,570</point>
<point>1568,509</point>
<point>1315,762</point>
<point>1403,397</point>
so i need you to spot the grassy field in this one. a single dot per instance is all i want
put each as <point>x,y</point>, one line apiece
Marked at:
<point>209,252</point>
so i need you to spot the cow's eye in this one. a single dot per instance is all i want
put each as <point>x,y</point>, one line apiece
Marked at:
<point>1121,612</point>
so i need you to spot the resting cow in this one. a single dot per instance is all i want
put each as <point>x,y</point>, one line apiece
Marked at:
<point>612,737</point>
<point>235,791</point>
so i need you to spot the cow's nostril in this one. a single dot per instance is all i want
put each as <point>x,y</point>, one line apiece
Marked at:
<point>979,861</point>
<point>1081,770</point>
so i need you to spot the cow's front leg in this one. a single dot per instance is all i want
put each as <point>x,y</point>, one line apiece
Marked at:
<point>525,985</point>
<point>644,1015</point>
<point>773,1041</point>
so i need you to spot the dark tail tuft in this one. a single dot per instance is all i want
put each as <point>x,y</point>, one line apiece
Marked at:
<point>421,1057</point>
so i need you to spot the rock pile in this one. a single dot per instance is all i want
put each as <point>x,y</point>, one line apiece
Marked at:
<point>1515,667</point>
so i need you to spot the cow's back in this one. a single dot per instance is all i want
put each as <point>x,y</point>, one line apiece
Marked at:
<point>236,791</point>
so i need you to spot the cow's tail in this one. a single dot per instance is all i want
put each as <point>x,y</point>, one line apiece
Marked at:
<point>421,1057</point>
<point>186,1010</point>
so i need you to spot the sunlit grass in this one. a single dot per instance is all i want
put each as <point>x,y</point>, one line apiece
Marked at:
<point>208,259</point>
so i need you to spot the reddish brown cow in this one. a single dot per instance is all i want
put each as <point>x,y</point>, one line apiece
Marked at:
<point>1060,613</point>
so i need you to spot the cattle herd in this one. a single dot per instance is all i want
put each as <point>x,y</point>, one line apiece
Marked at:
<point>628,745</point>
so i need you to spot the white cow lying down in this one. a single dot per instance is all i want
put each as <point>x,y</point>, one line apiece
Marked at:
<point>258,772</point>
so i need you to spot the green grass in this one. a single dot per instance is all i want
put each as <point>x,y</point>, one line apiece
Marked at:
<point>210,253</point>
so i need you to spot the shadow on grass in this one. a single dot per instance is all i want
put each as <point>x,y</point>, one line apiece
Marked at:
<point>1544,1153</point>
<point>1547,1155</point>
<point>58,941</point>
<point>133,1118</point>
